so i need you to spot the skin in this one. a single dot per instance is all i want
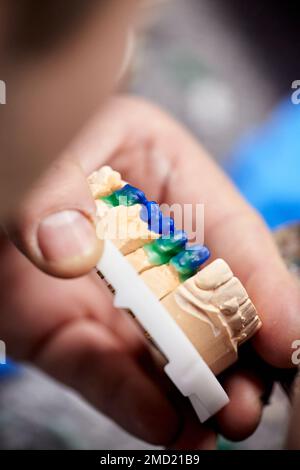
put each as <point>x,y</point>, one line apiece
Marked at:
<point>68,327</point>
<point>83,342</point>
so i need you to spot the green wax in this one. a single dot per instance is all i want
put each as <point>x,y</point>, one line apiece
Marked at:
<point>126,196</point>
<point>163,249</point>
<point>188,262</point>
<point>110,200</point>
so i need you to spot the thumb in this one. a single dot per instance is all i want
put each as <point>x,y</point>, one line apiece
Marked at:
<point>54,226</point>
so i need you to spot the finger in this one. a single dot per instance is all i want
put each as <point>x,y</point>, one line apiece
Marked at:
<point>54,226</point>
<point>192,435</point>
<point>247,393</point>
<point>61,301</point>
<point>74,299</point>
<point>89,358</point>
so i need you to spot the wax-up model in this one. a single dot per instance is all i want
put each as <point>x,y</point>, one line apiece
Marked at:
<point>197,317</point>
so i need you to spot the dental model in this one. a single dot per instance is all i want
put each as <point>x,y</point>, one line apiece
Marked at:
<point>104,182</point>
<point>197,318</point>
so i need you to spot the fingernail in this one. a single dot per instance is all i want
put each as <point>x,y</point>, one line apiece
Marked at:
<point>65,235</point>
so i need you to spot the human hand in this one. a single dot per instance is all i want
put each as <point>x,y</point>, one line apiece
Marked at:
<point>82,346</point>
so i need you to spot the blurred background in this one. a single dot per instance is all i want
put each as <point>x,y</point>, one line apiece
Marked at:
<point>224,69</point>
<point>221,67</point>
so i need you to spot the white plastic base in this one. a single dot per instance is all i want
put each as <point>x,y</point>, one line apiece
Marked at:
<point>185,367</point>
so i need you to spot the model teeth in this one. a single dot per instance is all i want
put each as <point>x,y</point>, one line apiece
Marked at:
<point>210,305</point>
<point>159,252</point>
<point>131,222</point>
<point>125,228</point>
<point>126,196</point>
<point>104,181</point>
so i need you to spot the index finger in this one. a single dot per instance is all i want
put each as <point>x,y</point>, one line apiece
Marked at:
<point>235,232</point>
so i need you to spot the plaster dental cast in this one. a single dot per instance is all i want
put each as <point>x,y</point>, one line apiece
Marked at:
<point>209,305</point>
